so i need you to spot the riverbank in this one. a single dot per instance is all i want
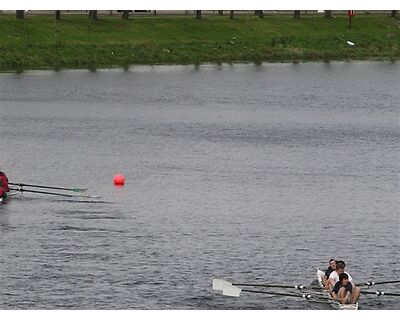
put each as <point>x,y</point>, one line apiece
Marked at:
<point>41,42</point>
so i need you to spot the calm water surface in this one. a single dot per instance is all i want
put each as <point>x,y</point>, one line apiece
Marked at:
<point>247,173</point>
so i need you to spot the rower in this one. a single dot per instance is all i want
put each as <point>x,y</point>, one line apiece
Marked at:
<point>3,193</point>
<point>334,278</point>
<point>4,188</point>
<point>331,268</point>
<point>344,291</point>
<point>4,181</point>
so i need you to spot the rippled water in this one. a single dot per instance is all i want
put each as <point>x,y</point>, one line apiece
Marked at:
<point>247,173</point>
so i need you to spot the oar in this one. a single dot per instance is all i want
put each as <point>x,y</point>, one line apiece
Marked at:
<point>82,201</point>
<point>233,291</point>
<point>219,284</point>
<point>381,293</point>
<point>54,193</point>
<point>371,283</point>
<point>47,187</point>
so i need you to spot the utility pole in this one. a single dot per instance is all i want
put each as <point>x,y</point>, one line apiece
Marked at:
<point>93,15</point>
<point>351,14</point>
<point>125,14</point>
<point>20,14</point>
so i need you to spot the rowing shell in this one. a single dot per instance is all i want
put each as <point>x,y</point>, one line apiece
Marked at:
<point>334,303</point>
<point>11,194</point>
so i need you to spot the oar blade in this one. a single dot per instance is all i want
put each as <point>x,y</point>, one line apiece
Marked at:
<point>79,189</point>
<point>231,291</point>
<point>220,284</point>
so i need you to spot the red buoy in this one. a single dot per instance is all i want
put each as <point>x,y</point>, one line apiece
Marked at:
<point>119,180</point>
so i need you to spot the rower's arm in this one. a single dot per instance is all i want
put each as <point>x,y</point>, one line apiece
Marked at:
<point>346,297</point>
<point>331,282</point>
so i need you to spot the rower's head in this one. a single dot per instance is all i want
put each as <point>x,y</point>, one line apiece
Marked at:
<point>344,278</point>
<point>340,265</point>
<point>332,263</point>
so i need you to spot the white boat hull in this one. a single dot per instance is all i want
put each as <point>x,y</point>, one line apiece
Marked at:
<point>11,194</point>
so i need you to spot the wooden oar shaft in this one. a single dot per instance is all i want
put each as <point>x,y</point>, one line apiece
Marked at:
<point>46,187</point>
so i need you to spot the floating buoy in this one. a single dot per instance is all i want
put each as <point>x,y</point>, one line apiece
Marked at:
<point>119,180</point>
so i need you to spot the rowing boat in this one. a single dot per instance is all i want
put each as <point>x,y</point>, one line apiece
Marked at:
<point>334,303</point>
<point>311,293</point>
<point>11,194</point>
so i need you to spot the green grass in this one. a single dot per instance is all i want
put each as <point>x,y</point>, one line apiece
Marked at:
<point>41,42</point>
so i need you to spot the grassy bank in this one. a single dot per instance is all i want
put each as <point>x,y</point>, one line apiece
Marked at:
<point>74,42</point>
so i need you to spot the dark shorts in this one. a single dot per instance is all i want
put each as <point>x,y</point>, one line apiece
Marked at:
<point>338,286</point>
